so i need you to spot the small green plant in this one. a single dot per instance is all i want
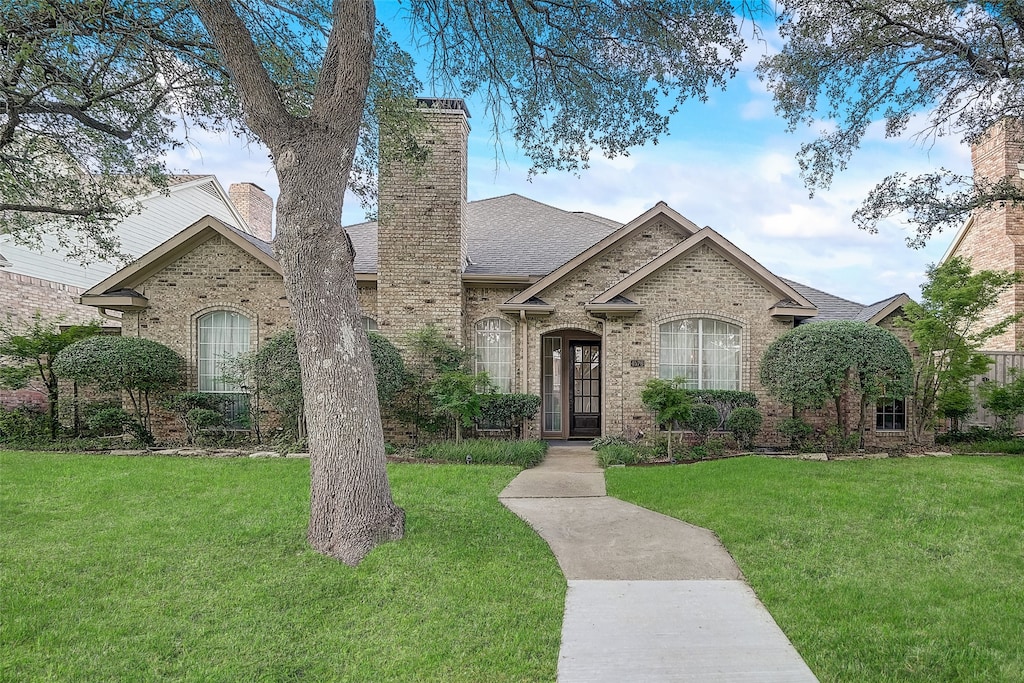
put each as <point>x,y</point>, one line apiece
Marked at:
<point>796,430</point>
<point>744,423</point>
<point>193,409</point>
<point>702,420</point>
<point>698,453</point>
<point>459,395</point>
<point>617,454</point>
<point>715,447</point>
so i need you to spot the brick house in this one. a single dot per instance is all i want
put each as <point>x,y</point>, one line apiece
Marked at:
<point>576,308</point>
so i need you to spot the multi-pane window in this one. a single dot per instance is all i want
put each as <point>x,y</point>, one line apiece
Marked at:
<point>551,373</point>
<point>703,351</point>
<point>222,335</point>
<point>891,415</point>
<point>494,340</point>
<point>369,324</point>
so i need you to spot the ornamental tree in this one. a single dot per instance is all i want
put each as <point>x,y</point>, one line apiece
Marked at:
<point>139,367</point>
<point>948,331</point>
<point>314,81</point>
<point>816,363</point>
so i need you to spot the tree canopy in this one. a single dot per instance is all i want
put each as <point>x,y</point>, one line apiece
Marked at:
<point>928,67</point>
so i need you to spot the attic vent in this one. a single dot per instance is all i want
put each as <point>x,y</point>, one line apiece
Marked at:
<point>209,188</point>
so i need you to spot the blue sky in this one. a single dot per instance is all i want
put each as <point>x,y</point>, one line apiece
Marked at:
<point>728,163</point>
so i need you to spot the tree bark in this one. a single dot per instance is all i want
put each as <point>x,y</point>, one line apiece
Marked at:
<point>351,508</point>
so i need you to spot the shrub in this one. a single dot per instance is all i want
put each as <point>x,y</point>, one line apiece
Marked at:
<point>796,430</point>
<point>113,421</point>
<point>487,452</point>
<point>185,403</point>
<point>23,422</point>
<point>724,401</point>
<point>715,447</point>
<point>507,411</point>
<point>459,395</point>
<point>744,423</point>
<point>617,454</point>
<point>388,367</point>
<point>703,420</point>
<point>1005,401</point>
<point>698,453</point>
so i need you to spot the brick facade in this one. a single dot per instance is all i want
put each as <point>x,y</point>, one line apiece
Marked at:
<point>422,255</point>
<point>994,240</point>
<point>22,296</point>
<point>421,248</point>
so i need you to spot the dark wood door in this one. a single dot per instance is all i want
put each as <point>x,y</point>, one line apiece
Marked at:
<point>585,389</point>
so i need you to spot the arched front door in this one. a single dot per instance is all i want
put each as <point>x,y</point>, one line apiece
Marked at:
<point>571,384</point>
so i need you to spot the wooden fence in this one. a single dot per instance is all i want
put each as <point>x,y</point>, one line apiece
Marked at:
<point>998,372</point>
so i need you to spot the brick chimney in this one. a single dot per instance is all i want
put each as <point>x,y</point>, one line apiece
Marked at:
<point>421,239</point>
<point>995,240</point>
<point>256,207</point>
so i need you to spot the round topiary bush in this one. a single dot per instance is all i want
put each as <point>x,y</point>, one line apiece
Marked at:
<point>703,420</point>
<point>744,423</point>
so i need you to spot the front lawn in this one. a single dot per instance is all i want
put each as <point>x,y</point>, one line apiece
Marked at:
<point>159,568</point>
<point>877,570</point>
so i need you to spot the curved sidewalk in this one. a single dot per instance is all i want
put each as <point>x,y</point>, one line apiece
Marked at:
<point>650,598</point>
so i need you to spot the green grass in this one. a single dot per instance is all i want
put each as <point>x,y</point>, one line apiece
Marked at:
<point>888,570</point>
<point>487,452</point>
<point>153,568</point>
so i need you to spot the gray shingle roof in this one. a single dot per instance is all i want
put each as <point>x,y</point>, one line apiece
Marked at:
<point>831,307</point>
<point>508,235</point>
<point>265,247</point>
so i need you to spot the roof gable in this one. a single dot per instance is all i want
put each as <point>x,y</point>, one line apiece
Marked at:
<point>706,236</point>
<point>185,241</point>
<point>660,211</point>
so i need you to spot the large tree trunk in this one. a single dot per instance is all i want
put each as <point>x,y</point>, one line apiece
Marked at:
<point>351,509</point>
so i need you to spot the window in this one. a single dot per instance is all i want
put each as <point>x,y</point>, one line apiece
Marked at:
<point>705,352</point>
<point>222,336</point>
<point>494,338</point>
<point>891,415</point>
<point>369,324</point>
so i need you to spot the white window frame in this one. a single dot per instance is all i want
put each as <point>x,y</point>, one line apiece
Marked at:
<point>670,370</point>
<point>494,351</point>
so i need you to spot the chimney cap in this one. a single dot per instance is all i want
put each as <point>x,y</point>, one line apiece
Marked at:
<point>450,103</point>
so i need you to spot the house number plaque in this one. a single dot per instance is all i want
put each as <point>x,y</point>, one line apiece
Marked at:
<point>636,363</point>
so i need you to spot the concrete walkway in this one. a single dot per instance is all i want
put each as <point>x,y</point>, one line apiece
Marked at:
<point>650,598</point>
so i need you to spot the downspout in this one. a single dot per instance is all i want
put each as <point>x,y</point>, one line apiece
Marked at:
<point>103,313</point>
<point>525,380</point>
<point>604,372</point>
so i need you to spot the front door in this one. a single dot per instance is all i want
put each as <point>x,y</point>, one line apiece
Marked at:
<point>585,388</point>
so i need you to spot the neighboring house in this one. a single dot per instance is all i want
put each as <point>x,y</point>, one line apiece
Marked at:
<point>47,281</point>
<point>578,309</point>
<point>993,239</point>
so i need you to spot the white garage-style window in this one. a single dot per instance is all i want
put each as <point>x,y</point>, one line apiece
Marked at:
<point>703,351</point>
<point>222,335</point>
<point>493,344</point>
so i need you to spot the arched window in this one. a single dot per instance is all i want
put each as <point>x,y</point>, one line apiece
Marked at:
<point>704,351</point>
<point>494,340</point>
<point>222,335</point>
<point>369,324</point>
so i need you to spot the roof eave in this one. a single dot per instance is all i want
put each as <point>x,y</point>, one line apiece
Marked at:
<point>499,279</point>
<point>792,312</point>
<point>529,309</point>
<point>119,302</point>
<point>618,309</point>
